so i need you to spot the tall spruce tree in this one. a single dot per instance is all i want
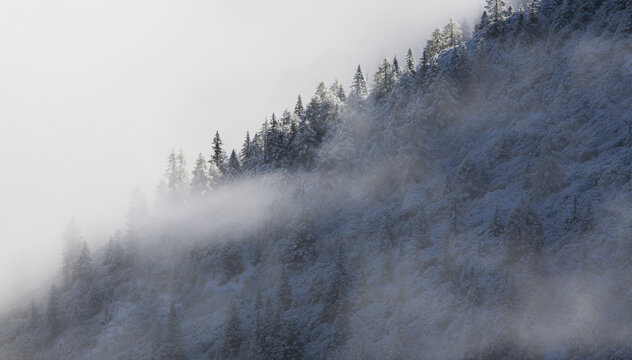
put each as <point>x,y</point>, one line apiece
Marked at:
<point>359,88</point>
<point>52,311</point>
<point>200,184</point>
<point>232,334</point>
<point>299,109</point>
<point>234,167</point>
<point>410,62</point>
<point>219,155</point>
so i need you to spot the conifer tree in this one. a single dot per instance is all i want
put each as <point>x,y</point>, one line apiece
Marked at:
<point>245,153</point>
<point>436,44</point>
<point>232,334</point>
<point>82,267</point>
<point>359,88</point>
<point>299,109</point>
<point>234,167</point>
<point>173,348</point>
<point>483,22</point>
<point>452,34</point>
<point>284,291</point>
<point>200,184</point>
<point>338,90</point>
<point>384,79</point>
<point>396,68</point>
<point>495,10</point>
<point>219,155</point>
<point>71,249</point>
<point>52,311</point>
<point>410,62</point>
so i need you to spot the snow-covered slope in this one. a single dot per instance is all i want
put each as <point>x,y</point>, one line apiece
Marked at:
<point>480,213</point>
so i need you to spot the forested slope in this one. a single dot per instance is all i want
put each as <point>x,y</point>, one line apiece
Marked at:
<point>474,205</point>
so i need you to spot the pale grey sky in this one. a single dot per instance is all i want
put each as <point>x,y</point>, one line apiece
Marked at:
<point>94,94</point>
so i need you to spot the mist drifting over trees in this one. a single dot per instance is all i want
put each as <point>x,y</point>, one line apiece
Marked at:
<point>467,202</point>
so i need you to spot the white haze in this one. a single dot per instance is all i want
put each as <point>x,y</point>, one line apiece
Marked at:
<point>94,94</point>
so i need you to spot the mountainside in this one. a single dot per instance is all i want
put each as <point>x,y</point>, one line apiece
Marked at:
<point>474,206</point>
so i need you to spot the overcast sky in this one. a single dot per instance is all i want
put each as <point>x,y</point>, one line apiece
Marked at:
<point>94,94</point>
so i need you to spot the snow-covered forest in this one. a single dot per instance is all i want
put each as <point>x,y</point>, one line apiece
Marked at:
<point>468,202</point>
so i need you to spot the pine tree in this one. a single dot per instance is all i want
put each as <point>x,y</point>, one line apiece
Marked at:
<point>232,333</point>
<point>452,34</point>
<point>336,296</point>
<point>496,10</point>
<point>173,348</point>
<point>436,44</point>
<point>200,184</point>
<point>483,22</point>
<point>52,311</point>
<point>359,88</point>
<point>338,90</point>
<point>302,149</point>
<point>82,267</point>
<point>396,68</point>
<point>219,155</point>
<point>284,292</point>
<point>384,79</point>
<point>410,62</point>
<point>299,109</point>
<point>114,256</point>
<point>71,249</point>
<point>176,176</point>
<point>234,167</point>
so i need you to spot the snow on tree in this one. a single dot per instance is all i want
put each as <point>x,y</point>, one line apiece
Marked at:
<point>335,299</point>
<point>275,147</point>
<point>200,183</point>
<point>234,167</point>
<point>82,266</point>
<point>452,34</point>
<point>436,44</point>
<point>302,248</point>
<point>299,109</point>
<point>442,103</point>
<point>71,249</point>
<point>483,22</point>
<point>176,176</point>
<point>52,312</point>
<point>396,68</point>
<point>384,79</point>
<point>233,336</point>
<point>218,156</point>
<point>322,111</point>
<point>410,62</point>
<point>303,148</point>
<point>114,259</point>
<point>284,291</point>
<point>495,10</point>
<point>359,88</point>
<point>337,89</point>
<point>548,175</point>
<point>173,348</point>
